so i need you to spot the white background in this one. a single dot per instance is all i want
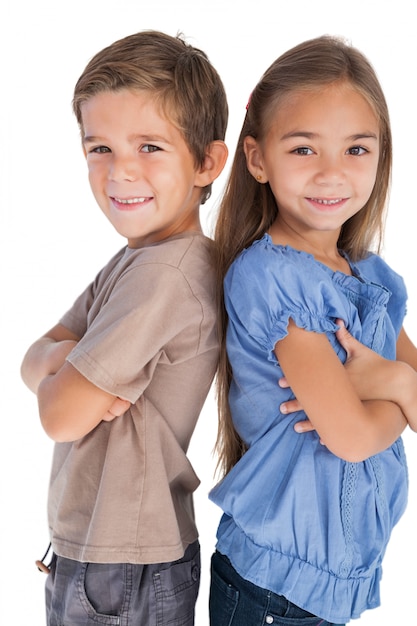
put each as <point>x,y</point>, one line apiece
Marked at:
<point>53,238</point>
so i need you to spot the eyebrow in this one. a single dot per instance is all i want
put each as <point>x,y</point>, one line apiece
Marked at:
<point>309,135</point>
<point>133,138</point>
<point>92,139</point>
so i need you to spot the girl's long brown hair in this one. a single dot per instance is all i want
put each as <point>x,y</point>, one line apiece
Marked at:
<point>248,208</point>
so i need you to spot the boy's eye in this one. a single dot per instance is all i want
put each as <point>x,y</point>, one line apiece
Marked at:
<point>357,150</point>
<point>100,149</point>
<point>149,148</point>
<point>303,150</point>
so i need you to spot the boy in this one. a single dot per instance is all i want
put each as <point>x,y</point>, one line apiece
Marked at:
<point>121,379</point>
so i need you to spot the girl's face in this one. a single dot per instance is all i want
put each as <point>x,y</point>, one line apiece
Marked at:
<point>320,158</point>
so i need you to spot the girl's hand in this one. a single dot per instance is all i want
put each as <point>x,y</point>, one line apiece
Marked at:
<point>377,378</point>
<point>292,406</point>
<point>369,372</point>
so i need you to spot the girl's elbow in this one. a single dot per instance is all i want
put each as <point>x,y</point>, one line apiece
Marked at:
<point>358,451</point>
<point>351,456</point>
<point>350,452</point>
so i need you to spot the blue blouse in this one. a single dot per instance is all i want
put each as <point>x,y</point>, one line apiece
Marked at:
<point>298,520</point>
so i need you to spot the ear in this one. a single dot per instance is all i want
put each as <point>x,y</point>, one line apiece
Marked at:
<point>254,160</point>
<point>214,162</point>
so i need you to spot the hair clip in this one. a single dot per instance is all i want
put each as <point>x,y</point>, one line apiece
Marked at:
<point>250,98</point>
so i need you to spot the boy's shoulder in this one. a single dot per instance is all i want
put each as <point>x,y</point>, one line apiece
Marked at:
<point>187,257</point>
<point>178,250</point>
<point>190,253</point>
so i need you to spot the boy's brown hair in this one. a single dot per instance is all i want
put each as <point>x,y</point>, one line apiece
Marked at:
<point>182,79</point>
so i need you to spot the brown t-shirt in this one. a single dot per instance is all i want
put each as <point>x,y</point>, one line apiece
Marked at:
<point>123,493</point>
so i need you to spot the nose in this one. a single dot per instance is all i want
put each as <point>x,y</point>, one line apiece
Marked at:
<point>123,168</point>
<point>330,170</point>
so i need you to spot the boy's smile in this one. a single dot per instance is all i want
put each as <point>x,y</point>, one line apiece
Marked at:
<point>141,170</point>
<point>129,204</point>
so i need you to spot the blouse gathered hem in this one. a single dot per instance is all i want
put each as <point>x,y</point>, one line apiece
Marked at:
<point>318,591</point>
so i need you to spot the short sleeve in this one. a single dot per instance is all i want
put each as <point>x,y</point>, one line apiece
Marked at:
<point>267,285</point>
<point>76,318</point>
<point>150,316</point>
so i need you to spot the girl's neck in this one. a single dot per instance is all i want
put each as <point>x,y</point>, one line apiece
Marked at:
<point>323,246</point>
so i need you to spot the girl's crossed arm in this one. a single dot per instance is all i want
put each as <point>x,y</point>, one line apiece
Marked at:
<point>359,408</point>
<point>70,406</point>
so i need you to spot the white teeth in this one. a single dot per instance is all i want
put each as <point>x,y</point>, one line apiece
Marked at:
<point>329,202</point>
<point>130,200</point>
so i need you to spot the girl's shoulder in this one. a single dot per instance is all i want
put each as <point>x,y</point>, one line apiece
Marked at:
<point>292,272</point>
<point>375,269</point>
<point>263,254</point>
<point>267,276</point>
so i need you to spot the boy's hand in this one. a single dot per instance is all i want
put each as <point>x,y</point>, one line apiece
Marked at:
<point>117,409</point>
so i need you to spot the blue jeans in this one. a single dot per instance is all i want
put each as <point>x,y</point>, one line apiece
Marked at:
<point>122,594</point>
<point>236,602</point>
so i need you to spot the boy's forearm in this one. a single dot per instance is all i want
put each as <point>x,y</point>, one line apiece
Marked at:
<point>70,406</point>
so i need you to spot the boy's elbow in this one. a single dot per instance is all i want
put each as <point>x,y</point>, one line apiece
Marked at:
<point>55,427</point>
<point>54,417</point>
<point>28,376</point>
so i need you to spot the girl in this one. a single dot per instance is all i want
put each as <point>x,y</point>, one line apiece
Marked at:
<point>306,525</point>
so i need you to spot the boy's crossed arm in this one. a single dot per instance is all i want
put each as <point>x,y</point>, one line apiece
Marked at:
<point>70,406</point>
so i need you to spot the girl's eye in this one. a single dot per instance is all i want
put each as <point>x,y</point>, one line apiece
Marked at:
<point>100,149</point>
<point>303,150</point>
<point>357,150</point>
<point>149,148</point>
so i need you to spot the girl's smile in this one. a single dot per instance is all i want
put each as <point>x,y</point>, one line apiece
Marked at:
<point>327,204</point>
<point>320,158</point>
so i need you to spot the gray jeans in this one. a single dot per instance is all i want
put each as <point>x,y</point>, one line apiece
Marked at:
<point>87,594</point>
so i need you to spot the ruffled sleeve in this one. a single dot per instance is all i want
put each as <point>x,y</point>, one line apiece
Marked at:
<point>267,285</point>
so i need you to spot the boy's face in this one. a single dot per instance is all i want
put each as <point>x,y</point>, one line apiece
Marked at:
<point>141,170</point>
